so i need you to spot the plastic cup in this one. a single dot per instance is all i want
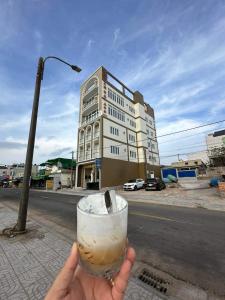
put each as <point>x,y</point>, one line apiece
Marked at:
<point>101,236</point>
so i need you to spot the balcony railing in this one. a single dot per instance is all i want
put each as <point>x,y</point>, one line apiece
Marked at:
<point>90,93</point>
<point>88,137</point>
<point>96,154</point>
<point>88,155</point>
<point>81,157</point>
<point>90,119</point>
<point>89,104</point>
<point>96,135</point>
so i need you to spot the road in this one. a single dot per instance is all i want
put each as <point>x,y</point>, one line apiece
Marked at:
<point>187,243</point>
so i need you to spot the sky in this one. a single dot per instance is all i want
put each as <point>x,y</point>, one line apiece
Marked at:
<point>172,51</point>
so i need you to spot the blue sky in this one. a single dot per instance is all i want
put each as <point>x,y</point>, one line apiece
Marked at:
<point>173,52</point>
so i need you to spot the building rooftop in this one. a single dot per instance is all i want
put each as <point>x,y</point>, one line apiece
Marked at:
<point>219,133</point>
<point>65,163</point>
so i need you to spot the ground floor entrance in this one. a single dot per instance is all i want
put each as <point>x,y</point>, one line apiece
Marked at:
<point>87,176</point>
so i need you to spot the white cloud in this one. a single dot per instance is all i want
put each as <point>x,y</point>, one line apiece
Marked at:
<point>165,127</point>
<point>218,107</point>
<point>116,34</point>
<point>39,41</point>
<point>177,110</point>
<point>89,44</point>
<point>180,94</point>
<point>14,123</point>
<point>45,148</point>
<point>182,58</point>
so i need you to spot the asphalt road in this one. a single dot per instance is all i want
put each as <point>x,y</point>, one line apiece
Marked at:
<point>186,243</point>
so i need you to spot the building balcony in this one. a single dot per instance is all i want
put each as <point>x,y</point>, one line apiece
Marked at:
<point>96,135</point>
<point>81,157</point>
<point>90,119</point>
<point>89,106</point>
<point>81,141</point>
<point>92,91</point>
<point>88,137</point>
<point>88,155</point>
<point>96,154</point>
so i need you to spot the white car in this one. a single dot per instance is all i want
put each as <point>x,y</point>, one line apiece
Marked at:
<point>134,184</point>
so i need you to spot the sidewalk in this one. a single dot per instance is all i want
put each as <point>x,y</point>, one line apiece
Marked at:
<point>29,263</point>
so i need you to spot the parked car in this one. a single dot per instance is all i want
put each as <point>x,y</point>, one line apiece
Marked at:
<point>134,184</point>
<point>154,184</point>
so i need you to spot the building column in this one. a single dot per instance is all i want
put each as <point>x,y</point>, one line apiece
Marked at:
<point>76,178</point>
<point>100,178</point>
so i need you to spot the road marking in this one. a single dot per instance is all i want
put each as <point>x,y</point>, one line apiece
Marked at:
<point>44,197</point>
<point>153,217</point>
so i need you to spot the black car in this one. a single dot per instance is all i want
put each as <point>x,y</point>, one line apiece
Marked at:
<point>154,184</point>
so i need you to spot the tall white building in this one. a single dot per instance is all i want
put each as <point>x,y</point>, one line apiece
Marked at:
<point>116,135</point>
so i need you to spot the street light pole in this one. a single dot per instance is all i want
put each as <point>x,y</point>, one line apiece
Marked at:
<point>20,226</point>
<point>22,215</point>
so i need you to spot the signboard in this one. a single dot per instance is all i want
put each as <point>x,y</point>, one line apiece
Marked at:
<point>98,163</point>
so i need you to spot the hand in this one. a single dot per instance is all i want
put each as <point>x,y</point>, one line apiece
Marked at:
<point>73,283</point>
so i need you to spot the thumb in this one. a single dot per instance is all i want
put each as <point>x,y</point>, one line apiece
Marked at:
<point>65,276</point>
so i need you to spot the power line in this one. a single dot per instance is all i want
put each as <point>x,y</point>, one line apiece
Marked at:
<point>186,137</point>
<point>198,145</point>
<point>180,154</point>
<point>193,128</point>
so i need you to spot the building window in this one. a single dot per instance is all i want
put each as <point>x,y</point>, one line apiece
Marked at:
<point>131,137</point>
<point>116,113</point>
<point>131,109</point>
<point>114,131</point>
<point>115,97</point>
<point>132,123</point>
<point>153,146</point>
<point>115,150</point>
<point>147,132</point>
<point>133,154</point>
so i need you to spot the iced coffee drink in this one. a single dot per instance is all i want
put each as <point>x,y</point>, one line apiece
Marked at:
<point>102,233</point>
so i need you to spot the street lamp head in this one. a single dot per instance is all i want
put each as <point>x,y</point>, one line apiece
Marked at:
<point>76,68</point>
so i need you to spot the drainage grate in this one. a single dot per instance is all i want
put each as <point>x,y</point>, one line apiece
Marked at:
<point>153,280</point>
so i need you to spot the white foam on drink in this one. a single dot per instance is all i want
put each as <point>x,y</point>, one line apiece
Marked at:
<point>95,204</point>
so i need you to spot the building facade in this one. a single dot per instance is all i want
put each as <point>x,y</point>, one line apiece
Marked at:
<point>216,148</point>
<point>202,155</point>
<point>116,136</point>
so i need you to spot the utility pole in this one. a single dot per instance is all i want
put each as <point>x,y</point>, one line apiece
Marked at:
<point>72,170</point>
<point>20,226</point>
<point>178,156</point>
<point>22,215</point>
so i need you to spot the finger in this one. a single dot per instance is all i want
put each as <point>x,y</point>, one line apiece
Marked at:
<point>66,274</point>
<point>121,280</point>
<point>131,255</point>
